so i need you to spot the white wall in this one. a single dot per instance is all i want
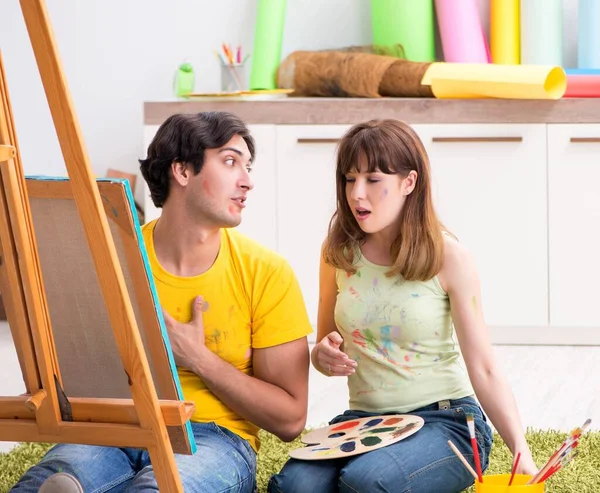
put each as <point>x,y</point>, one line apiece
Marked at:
<point>117,54</point>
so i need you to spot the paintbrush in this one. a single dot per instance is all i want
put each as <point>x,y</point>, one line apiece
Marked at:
<point>570,442</point>
<point>463,460</point>
<point>471,425</point>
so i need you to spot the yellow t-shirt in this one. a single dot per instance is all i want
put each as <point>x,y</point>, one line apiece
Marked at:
<point>252,300</point>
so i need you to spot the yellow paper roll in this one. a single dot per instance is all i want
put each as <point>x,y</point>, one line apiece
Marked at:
<point>486,80</point>
<point>505,31</point>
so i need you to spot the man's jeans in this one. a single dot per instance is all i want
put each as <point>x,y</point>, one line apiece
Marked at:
<point>223,462</point>
<point>421,463</point>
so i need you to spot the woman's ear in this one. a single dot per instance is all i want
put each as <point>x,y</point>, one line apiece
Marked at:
<point>409,183</point>
<point>181,172</point>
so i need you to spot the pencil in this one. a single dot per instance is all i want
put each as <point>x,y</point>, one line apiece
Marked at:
<point>463,460</point>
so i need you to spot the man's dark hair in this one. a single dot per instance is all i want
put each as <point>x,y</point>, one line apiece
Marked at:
<point>184,138</point>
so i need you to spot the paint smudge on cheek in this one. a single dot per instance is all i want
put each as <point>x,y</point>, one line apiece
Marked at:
<point>370,441</point>
<point>207,188</point>
<point>385,192</point>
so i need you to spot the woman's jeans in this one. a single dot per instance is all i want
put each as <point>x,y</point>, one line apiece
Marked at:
<point>421,463</point>
<point>223,462</point>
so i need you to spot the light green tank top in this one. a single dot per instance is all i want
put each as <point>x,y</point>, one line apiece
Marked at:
<point>401,335</point>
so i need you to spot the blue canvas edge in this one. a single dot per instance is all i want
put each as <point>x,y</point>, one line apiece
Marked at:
<point>150,277</point>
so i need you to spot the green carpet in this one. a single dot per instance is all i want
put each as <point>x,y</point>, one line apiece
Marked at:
<point>582,475</point>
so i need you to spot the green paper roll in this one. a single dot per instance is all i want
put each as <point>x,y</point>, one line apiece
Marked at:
<point>407,22</point>
<point>541,32</point>
<point>268,35</point>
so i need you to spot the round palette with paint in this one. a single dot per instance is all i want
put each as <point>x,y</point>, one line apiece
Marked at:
<point>357,436</point>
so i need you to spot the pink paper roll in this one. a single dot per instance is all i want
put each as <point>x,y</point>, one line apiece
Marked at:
<point>461,33</point>
<point>583,86</point>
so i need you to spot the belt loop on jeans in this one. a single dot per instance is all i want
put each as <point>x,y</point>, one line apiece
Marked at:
<point>445,405</point>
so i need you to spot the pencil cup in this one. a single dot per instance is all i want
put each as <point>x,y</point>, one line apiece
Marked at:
<point>233,77</point>
<point>499,484</point>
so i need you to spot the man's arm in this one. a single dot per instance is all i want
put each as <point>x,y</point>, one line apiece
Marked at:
<point>275,398</point>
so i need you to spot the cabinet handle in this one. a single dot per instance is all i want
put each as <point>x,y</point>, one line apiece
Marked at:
<point>584,139</point>
<point>318,141</point>
<point>477,139</point>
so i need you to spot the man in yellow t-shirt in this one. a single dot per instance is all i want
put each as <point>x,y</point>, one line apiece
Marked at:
<point>235,315</point>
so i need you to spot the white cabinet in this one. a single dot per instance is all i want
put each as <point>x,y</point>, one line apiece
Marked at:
<point>489,187</point>
<point>259,217</point>
<point>305,199</point>
<point>574,218</point>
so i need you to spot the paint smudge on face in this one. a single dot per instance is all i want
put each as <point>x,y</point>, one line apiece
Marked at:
<point>207,188</point>
<point>371,423</point>
<point>392,421</point>
<point>348,447</point>
<point>370,441</point>
<point>336,435</point>
<point>385,192</point>
<point>345,426</point>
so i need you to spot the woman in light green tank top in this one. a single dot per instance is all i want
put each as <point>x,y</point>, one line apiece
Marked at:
<point>400,317</point>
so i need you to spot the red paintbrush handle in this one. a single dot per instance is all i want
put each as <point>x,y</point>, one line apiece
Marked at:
<point>477,461</point>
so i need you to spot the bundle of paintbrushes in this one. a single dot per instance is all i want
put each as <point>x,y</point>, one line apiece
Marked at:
<point>562,456</point>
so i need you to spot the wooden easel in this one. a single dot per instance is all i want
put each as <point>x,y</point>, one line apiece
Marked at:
<point>45,414</point>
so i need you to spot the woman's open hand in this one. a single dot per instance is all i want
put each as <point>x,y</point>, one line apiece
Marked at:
<point>331,360</point>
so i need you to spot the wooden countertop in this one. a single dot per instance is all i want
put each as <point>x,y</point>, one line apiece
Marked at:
<point>298,111</point>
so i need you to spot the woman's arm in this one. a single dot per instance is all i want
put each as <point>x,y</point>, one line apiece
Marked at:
<point>460,280</point>
<point>327,356</point>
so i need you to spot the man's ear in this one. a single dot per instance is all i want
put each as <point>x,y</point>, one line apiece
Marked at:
<point>409,183</point>
<point>181,172</point>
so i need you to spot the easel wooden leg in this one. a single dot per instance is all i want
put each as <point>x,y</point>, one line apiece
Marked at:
<point>99,238</point>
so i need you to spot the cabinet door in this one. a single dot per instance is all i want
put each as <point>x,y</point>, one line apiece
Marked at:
<point>258,219</point>
<point>305,199</point>
<point>489,186</point>
<point>574,212</point>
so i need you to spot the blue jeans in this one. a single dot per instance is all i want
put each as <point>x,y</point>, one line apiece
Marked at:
<point>421,463</point>
<point>223,462</point>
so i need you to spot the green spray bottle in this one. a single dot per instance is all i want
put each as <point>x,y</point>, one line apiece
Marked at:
<point>183,82</point>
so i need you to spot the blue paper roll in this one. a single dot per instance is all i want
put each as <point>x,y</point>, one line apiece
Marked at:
<point>582,71</point>
<point>588,34</point>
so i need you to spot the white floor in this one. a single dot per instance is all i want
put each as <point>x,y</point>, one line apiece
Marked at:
<point>555,387</point>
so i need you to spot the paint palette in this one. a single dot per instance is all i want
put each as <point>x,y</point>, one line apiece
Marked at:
<point>357,436</point>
